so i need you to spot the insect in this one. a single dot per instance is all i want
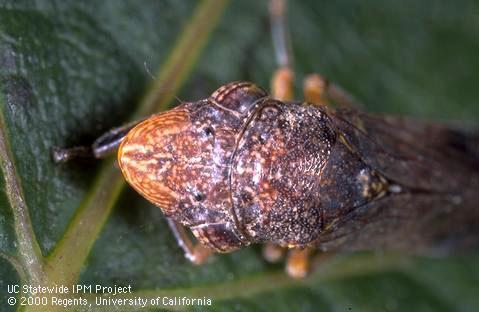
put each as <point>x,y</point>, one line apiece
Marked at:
<point>243,167</point>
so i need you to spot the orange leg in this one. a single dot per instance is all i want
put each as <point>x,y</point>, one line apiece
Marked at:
<point>319,91</point>
<point>297,265</point>
<point>314,89</point>
<point>282,84</point>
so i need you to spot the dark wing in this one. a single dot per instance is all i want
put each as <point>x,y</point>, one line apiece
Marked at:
<point>417,154</point>
<point>437,169</point>
<point>415,223</point>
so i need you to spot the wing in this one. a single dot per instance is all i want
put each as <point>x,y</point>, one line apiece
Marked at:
<point>437,169</point>
<point>420,155</point>
<point>415,223</point>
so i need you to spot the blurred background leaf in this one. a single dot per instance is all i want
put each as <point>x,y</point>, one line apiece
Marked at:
<point>71,70</point>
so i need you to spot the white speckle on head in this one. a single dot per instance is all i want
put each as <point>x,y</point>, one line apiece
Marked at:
<point>163,155</point>
<point>258,170</point>
<point>136,148</point>
<point>240,169</point>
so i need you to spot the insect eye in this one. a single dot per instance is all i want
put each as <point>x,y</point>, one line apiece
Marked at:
<point>208,131</point>
<point>199,196</point>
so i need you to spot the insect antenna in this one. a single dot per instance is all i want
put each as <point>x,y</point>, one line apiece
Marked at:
<point>148,71</point>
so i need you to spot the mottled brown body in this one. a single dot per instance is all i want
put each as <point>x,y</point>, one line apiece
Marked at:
<point>240,168</point>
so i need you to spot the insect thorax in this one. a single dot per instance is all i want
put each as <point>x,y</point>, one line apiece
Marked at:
<point>288,163</point>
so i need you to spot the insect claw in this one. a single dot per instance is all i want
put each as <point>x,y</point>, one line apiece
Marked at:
<point>63,155</point>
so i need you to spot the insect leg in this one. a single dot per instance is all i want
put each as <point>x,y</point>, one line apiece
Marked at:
<point>282,84</point>
<point>297,265</point>
<point>198,253</point>
<point>273,253</point>
<point>282,80</point>
<point>314,89</point>
<point>101,147</point>
<point>318,91</point>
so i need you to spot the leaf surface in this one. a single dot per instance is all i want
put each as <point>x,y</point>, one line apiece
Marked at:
<point>70,71</point>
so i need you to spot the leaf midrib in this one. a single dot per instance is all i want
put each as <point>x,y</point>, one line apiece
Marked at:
<point>332,269</point>
<point>29,252</point>
<point>64,264</point>
<point>91,215</point>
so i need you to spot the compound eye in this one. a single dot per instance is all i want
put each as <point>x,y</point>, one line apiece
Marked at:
<point>238,96</point>
<point>208,131</point>
<point>198,196</point>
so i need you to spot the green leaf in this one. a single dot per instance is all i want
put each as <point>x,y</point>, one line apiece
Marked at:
<point>70,71</point>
